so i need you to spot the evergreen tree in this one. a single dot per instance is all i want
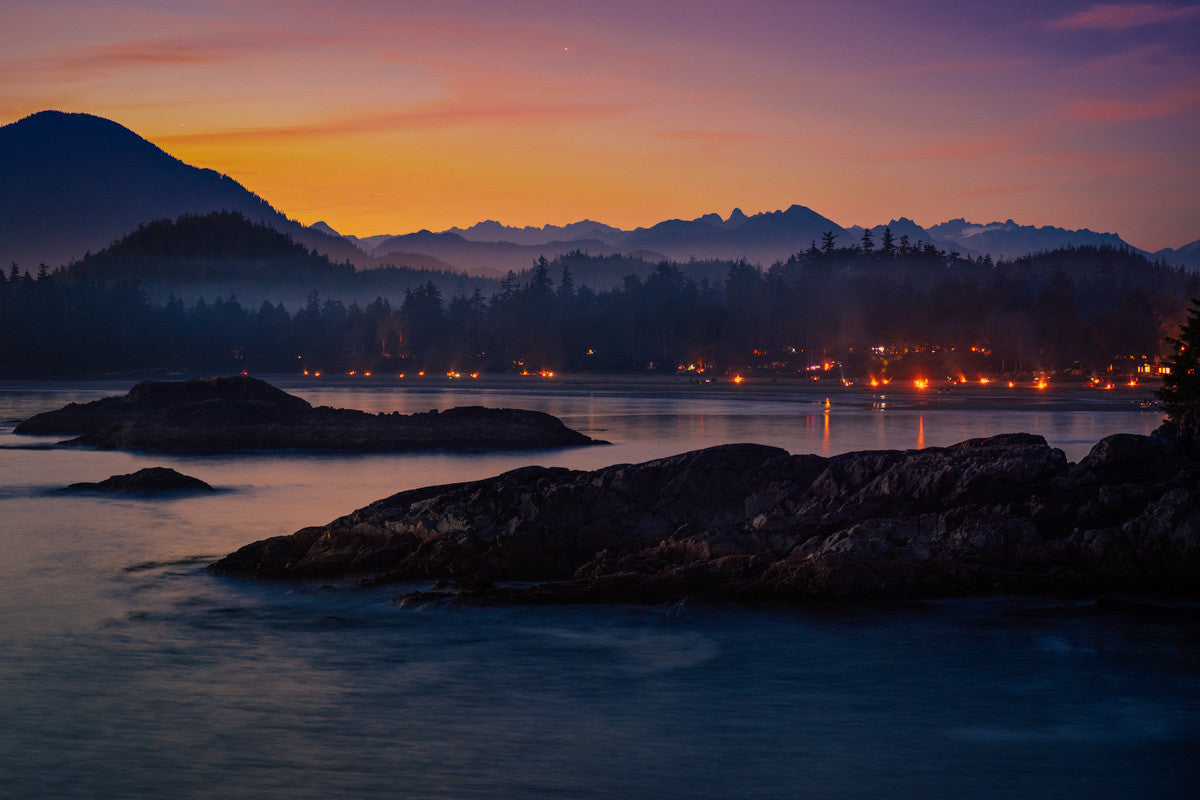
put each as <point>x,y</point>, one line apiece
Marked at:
<point>1180,391</point>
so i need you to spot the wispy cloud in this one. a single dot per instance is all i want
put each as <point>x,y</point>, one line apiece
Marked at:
<point>1115,16</point>
<point>174,51</point>
<point>448,114</point>
<point>1162,105</point>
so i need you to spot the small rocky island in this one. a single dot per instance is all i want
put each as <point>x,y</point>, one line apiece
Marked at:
<point>149,481</point>
<point>751,523</point>
<point>226,415</point>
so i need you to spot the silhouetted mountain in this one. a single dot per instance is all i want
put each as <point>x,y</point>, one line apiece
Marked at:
<point>900,228</point>
<point>1187,256</point>
<point>491,248</point>
<point>1010,240</point>
<point>75,182</point>
<point>219,246</point>
<point>223,253</point>
<point>481,258</point>
<point>492,231</point>
<point>324,228</point>
<point>761,238</point>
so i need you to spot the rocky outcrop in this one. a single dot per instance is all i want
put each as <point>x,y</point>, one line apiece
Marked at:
<point>152,480</point>
<point>1006,514</point>
<point>223,415</point>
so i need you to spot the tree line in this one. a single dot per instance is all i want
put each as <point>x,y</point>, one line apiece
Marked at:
<point>892,307</point>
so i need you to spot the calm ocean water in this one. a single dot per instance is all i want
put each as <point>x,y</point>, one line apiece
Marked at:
<point>126,671</point>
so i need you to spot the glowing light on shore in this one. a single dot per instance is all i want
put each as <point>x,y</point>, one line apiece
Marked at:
<point>921,383</point>
<point>1041,384</point>
<point>738,379</point>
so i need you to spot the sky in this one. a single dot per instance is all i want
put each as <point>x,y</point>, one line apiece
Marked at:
<point>381,116</point>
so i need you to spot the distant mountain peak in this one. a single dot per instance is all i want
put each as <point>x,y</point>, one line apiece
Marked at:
<point>1010,239</point>
<point>324,227</point>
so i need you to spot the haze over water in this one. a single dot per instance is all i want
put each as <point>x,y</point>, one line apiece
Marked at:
<point>127,671</point>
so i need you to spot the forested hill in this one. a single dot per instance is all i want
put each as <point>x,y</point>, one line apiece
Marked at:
<point>219,246</point>
<point>224,253</point>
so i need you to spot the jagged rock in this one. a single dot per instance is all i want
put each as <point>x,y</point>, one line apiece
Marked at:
<point>152,480</point>
<point>753,523</point>
<point>222,415</point>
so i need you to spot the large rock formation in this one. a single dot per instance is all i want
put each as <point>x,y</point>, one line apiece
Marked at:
<point>223,415</point>
<point>152,480</point>
<point>752,523</point>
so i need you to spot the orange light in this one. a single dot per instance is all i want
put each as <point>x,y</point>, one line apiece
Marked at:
<point>421,374</point>
<point>738,379</point>
<point>317,374</point>
<point>1041,384</point>
<point>474,374</point>
<point>401,375</point>
<point>874,382</point>
<point>921,383</point>
<point>984,381</point>
<point>305,372</point>
<point>1132,382</point>
<point>367,374</point>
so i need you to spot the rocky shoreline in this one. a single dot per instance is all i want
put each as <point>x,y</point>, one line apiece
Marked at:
<point>751,523</point>
<point>226,415</point>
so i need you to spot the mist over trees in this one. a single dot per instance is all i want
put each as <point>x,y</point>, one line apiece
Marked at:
<point>886,307</point>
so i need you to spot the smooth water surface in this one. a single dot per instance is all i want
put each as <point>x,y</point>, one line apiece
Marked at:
<point>127,671</point>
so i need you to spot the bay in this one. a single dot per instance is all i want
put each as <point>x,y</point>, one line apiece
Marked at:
<point>127,671</point>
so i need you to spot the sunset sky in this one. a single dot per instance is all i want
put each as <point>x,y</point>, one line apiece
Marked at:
<point>388,117</point>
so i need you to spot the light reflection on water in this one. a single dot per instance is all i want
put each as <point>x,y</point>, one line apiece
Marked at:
<point>127,671</point>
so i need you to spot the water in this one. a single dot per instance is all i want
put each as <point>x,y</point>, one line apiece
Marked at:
<point>127,671</point>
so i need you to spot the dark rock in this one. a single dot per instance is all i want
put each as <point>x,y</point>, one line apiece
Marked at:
<point>152,480</point>
<point>222,415</point>
<point>1182,431</point>
<point>1006,514</point>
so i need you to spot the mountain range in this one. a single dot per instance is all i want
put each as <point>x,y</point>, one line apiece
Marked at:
<point>74,183</point>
